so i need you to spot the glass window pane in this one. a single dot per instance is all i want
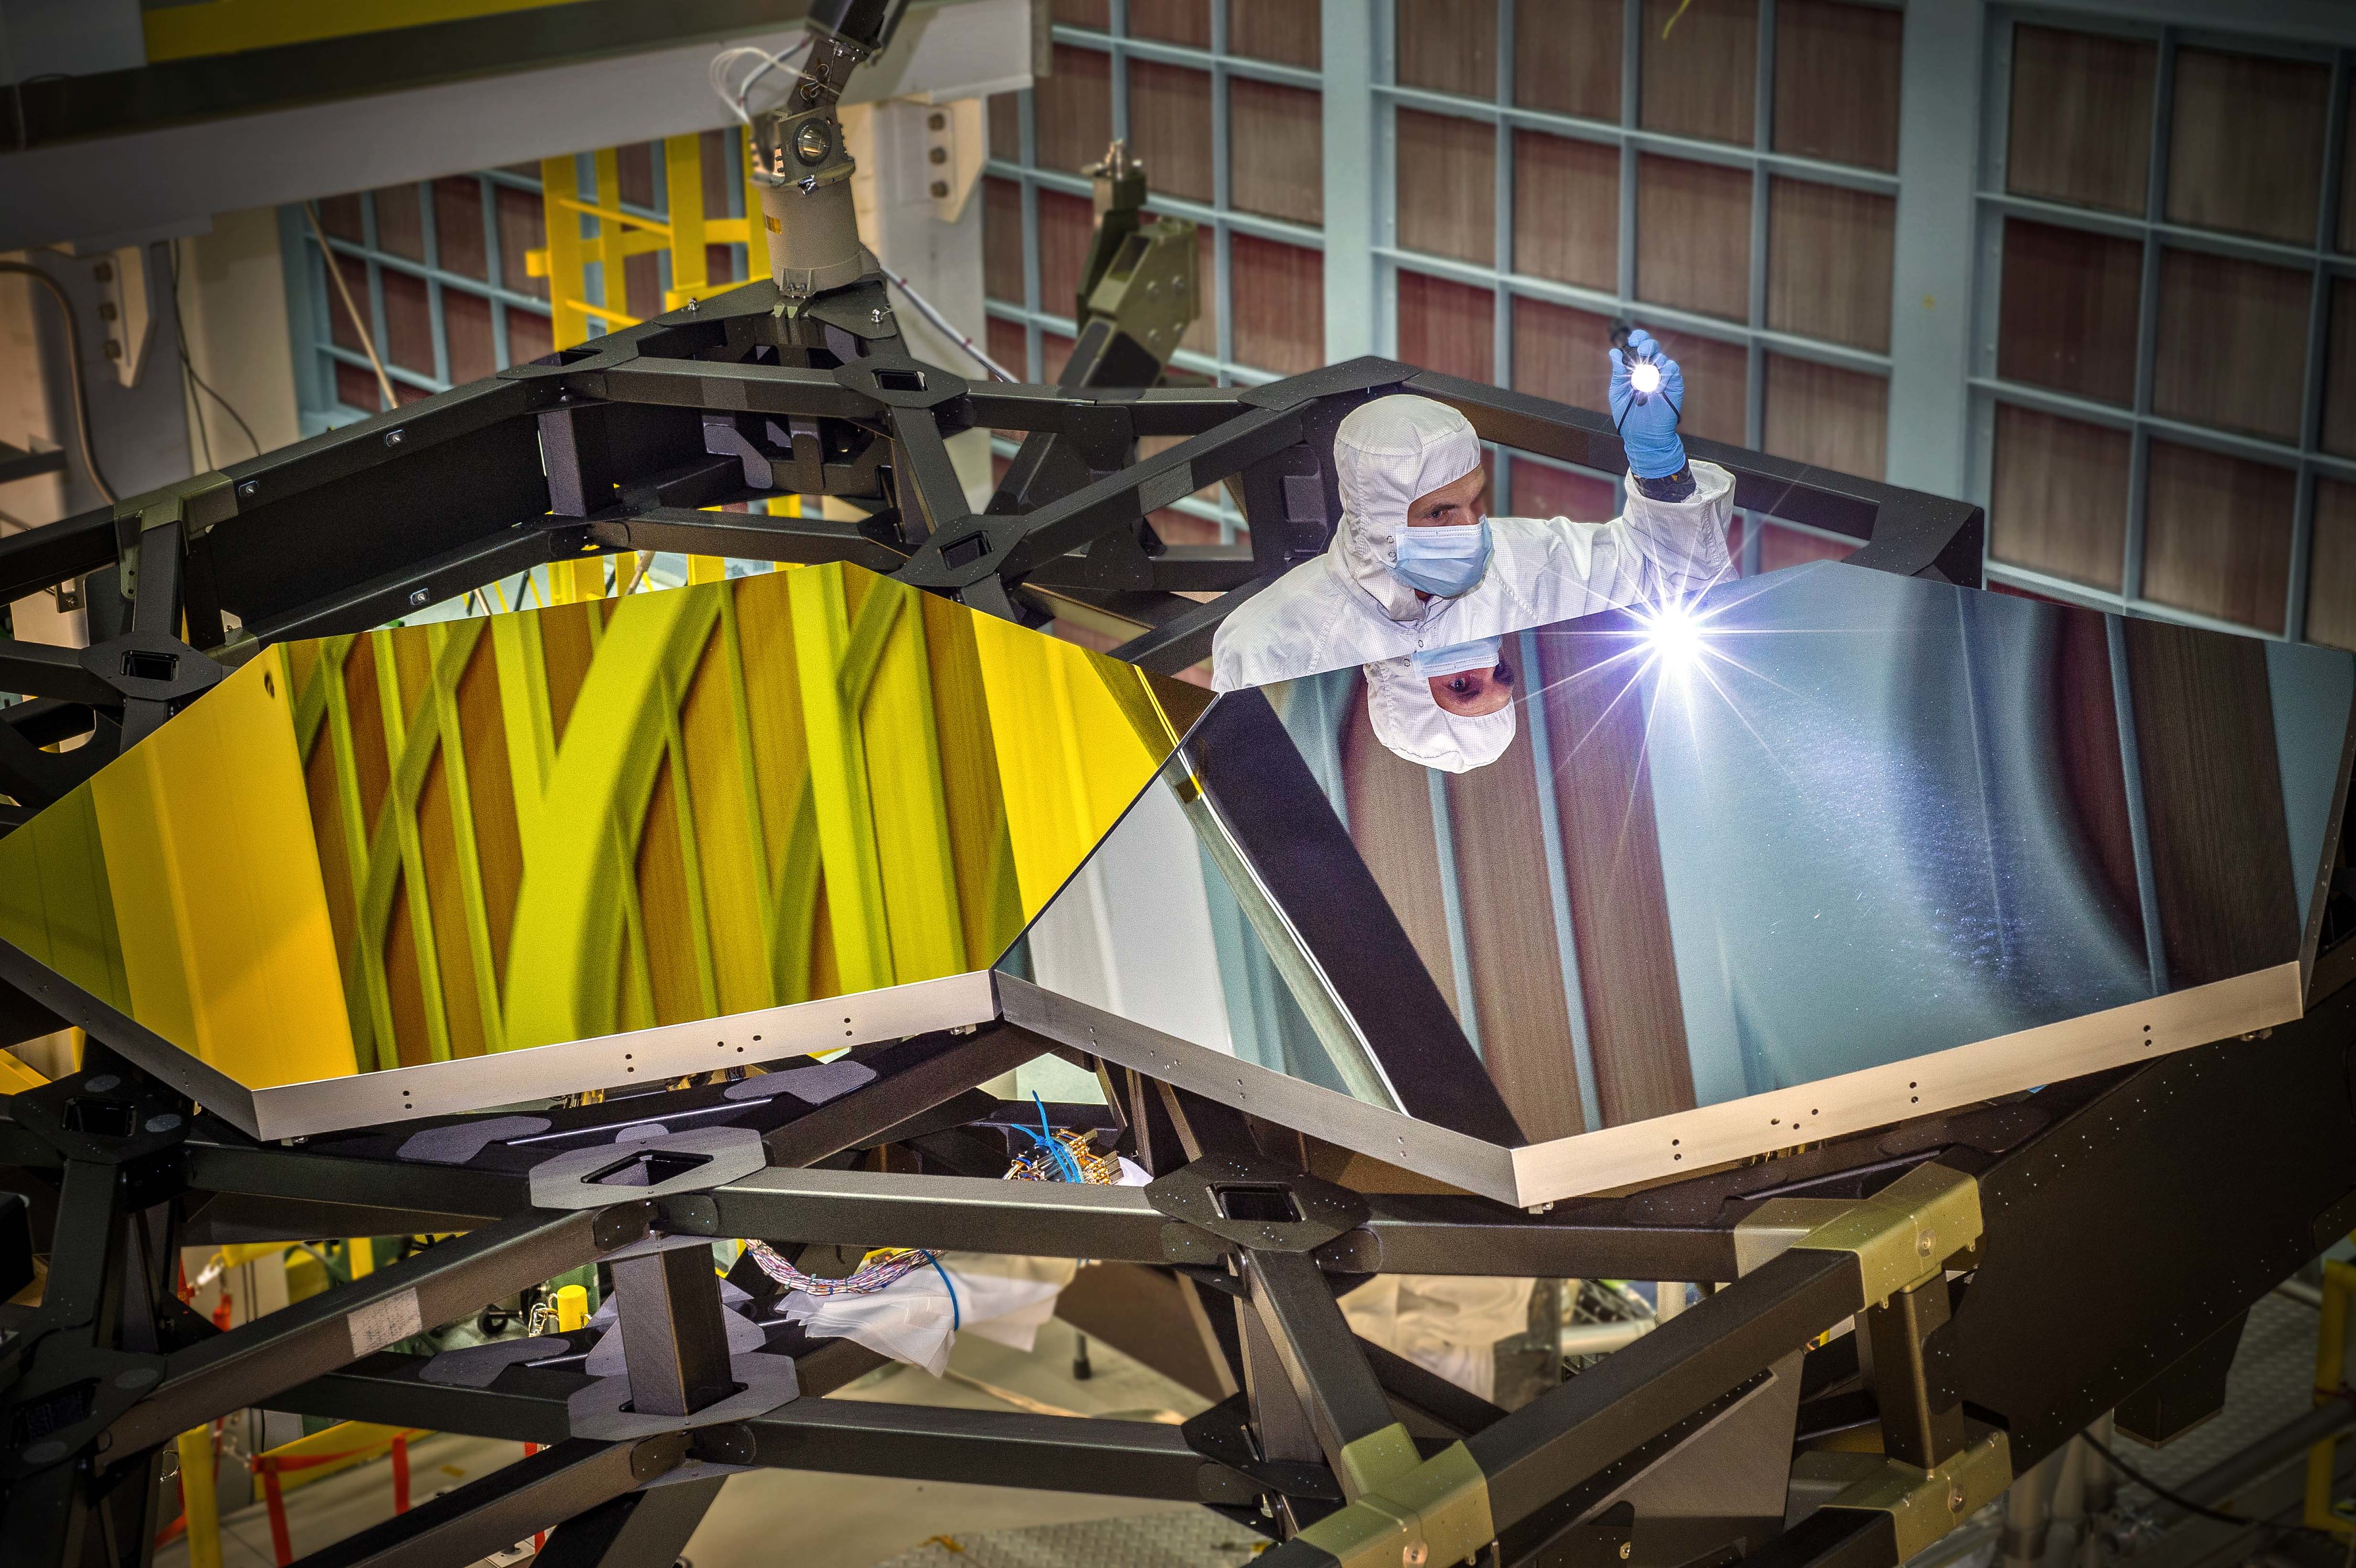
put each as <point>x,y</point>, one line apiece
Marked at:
<point>400,227</point>
<point>2331,570</point>
<point>1006,126</point>
<point>356,388</point>
<point>1072,109</point>
<point>2340,371</point>
<point>1718,386</point>
<point>1001,239</point>
<point>634,173</point>
<point>719,159</point>
<point>1828,259</point>
<point>529,336</point>
<point>2245,149</point>
<point>1700,69</point>
<point>1447,186</point>
<point>2080,126</point>
<point>1693,236</point>
<point>1285,31</point>
<point>1566,209</point>
<point>1279,303</point>
<point>1560,352</point>
<point>2059,500</point>
<point>642,285</point>
<point>1054,350</point>
<point>1447,327</point>
<point>1171,21</point>
<point>466,324</point>
<point>2067,319</point>
<point>1541,489</point>
<point>1277,159</point>
<point>1067,225</point>
<point>2231,348</point>
<point>1448,46</point>
<point>1833,418</point>
<point>408,322</point>
<point>459,226</point>
<point>1170,127</point>
<point>340,217</point>
<point>2216,534</point>
<point>1096,15</point>
<point>1567,56</point>
<point>523,226</point>
<point>1836,74</point>
<point>1009,345</point>
<point>341,328</point>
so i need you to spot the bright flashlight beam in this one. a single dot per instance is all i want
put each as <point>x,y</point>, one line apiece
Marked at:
<point>1674,634</point>
<point>1644,376</point>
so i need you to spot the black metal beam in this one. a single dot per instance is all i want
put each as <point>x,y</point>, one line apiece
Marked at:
<point>249,1364</point>
<point>753,536</point>
<point>1639,1393</point>
<point>506,1506</point>
<point>988,1447</point>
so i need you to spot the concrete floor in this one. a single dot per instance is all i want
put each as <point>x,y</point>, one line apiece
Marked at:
<point>845,1520</point>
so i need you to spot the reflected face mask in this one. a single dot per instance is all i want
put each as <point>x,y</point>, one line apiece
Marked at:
<point>1481,653</point>
<point>1444,562</point>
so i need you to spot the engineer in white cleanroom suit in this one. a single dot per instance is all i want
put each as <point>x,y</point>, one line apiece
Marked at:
<point>1413,712</point>
<point>1416,568</point>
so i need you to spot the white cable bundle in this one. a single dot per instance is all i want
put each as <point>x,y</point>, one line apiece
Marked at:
<point>729,61</point>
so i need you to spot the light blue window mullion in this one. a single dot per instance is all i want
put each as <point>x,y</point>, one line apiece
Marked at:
<point>1566,936</point>
<point>1119,69</point>
<point>1348,113</point>
<point>1631,80</point>
<point>1027,117</point>
<point>1501,300</point>
<point>2147,320</point>
<point>662,205</point>
<point>1452,900</point>
<point>369,243</point>
<point>2318,339</point>
<point>1754,359</point>
<point>495,271</point>
<point>432,236</point>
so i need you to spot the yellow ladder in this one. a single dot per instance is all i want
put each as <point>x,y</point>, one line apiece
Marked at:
<point>614,235</point>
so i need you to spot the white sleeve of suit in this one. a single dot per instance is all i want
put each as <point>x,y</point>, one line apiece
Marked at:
<point>1655,550</point>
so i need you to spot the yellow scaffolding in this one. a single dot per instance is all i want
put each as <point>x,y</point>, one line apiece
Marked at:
<point>608,238</point>
<point>612,235</point>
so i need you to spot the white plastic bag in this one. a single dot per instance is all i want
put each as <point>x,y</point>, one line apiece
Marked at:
<point>916,1320</point>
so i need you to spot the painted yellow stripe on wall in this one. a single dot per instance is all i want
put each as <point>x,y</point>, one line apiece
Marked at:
<point>226,26</point>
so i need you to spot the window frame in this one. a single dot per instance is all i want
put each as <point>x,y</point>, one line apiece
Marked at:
<point>1986,391</point>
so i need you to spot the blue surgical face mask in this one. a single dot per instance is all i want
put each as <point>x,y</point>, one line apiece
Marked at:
<point>1481,653</point>
<point>1443,562</point>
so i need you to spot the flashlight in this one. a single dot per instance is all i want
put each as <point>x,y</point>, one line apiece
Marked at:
<point>1644,376</point>
<point>1673,634</point>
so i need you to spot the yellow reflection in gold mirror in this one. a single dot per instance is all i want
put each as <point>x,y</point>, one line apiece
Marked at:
<point>431,842</point>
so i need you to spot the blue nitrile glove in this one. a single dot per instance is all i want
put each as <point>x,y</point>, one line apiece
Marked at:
<point>1648,419</point>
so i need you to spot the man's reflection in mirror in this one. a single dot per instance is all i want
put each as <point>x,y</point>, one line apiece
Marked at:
<point>1450,708</point>
<point>1471,680</point>
<point>1414,565</point>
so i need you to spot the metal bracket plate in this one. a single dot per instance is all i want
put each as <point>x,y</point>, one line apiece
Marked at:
<point>1902,1235</point>
<point>1924,1504</point>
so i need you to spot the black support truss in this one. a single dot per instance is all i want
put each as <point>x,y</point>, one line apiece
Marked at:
<point>617,445</point>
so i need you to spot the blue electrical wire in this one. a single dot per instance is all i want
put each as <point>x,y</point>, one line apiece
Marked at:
<point>1070,1166</point>
<point>957,1318</point>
